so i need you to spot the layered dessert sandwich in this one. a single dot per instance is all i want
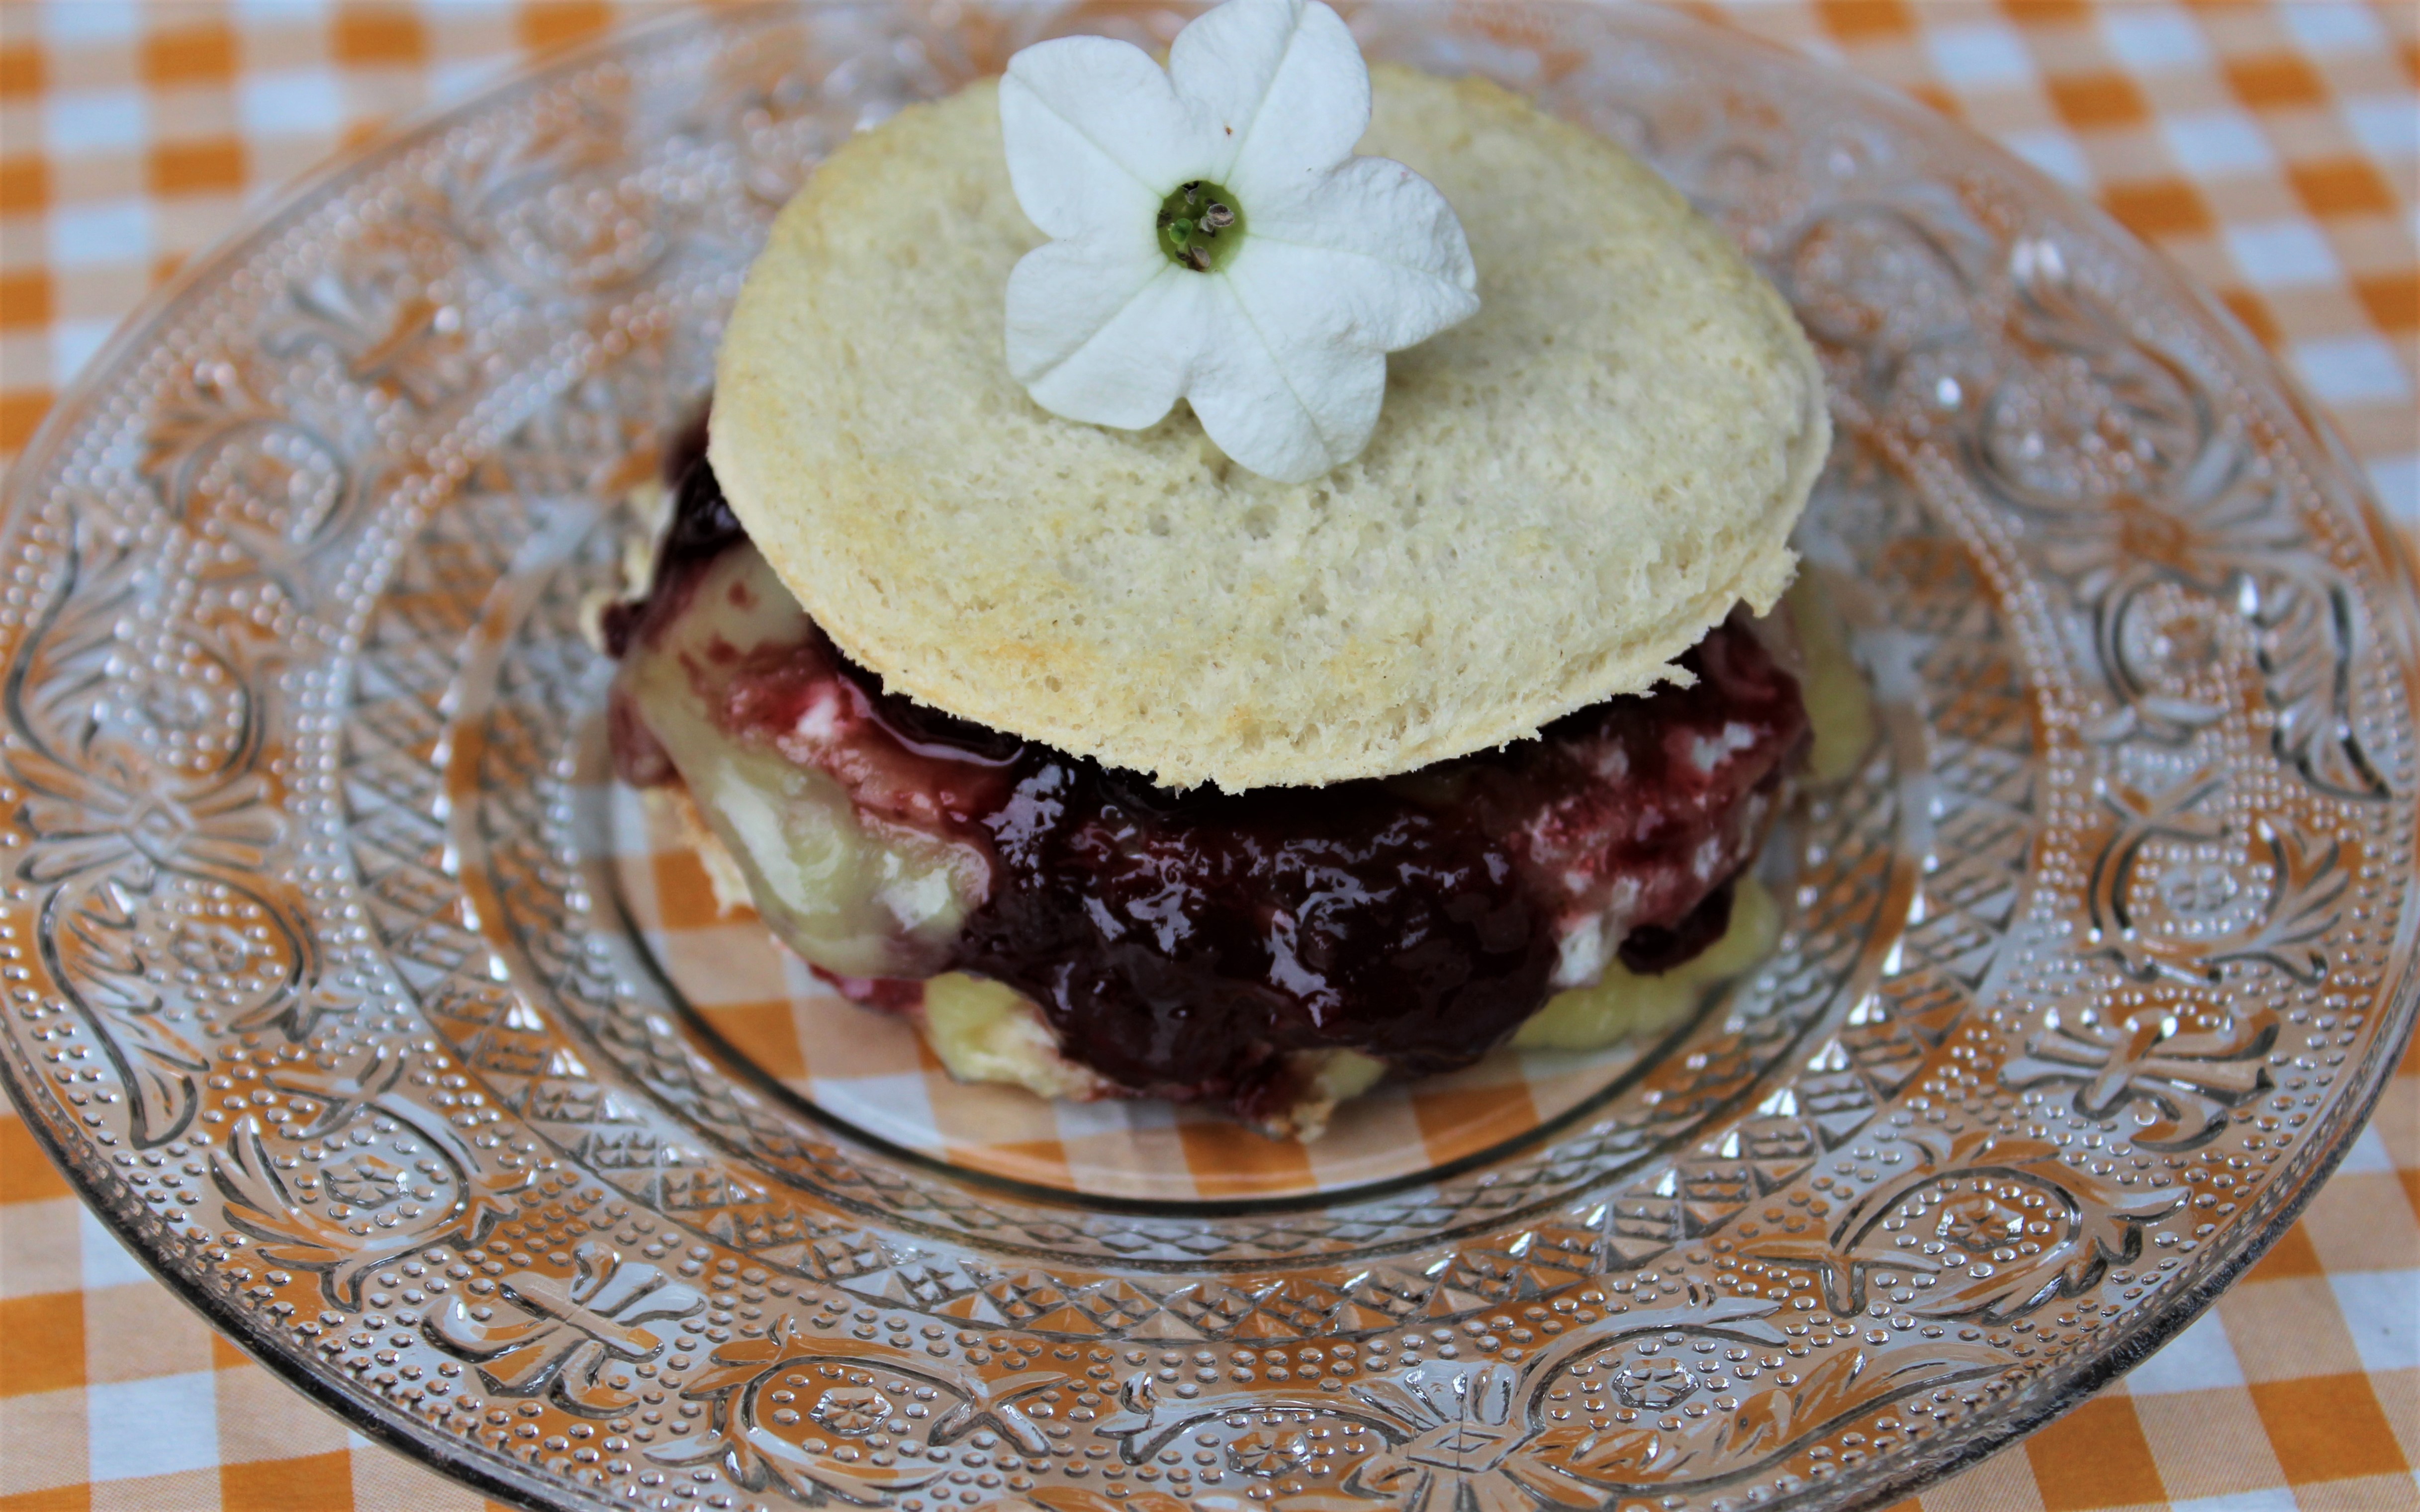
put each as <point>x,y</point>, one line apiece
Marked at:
<point>1230,580</point>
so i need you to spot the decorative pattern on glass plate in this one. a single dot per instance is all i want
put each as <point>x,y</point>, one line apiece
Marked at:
<point>2088,973</point>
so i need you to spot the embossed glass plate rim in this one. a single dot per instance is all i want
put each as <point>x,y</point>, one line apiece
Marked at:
<point>2020,1415</point>
<point>2284,1199</point>
<point>394,1431</point>
<point>298,198</point>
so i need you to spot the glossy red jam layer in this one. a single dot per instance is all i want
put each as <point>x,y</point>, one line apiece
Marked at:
<point>1185,945</point>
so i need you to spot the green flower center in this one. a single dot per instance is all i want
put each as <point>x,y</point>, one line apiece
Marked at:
<point>1200,226</point>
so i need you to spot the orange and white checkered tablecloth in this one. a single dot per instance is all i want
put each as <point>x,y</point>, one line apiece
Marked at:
<point>2272,151</point>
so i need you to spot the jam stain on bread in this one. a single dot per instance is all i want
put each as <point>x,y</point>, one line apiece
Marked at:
<point>1192,945</point>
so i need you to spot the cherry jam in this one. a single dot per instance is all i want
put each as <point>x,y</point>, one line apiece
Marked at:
<point>1185,945</point>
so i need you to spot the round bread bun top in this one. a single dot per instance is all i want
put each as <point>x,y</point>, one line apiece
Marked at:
<point>1563,493</point>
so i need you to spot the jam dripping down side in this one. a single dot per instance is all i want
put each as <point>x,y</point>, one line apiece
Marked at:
<point>1185,945</point>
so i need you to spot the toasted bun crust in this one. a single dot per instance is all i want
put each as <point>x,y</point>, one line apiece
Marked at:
<point>1563,493</point>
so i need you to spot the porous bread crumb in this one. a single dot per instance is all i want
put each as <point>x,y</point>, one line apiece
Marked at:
<point>1563,494</point>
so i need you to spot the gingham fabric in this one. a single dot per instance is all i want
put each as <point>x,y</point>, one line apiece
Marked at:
<point>2271,150</point>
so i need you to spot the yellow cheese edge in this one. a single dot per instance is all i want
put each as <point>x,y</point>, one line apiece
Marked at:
<point>1623,1003</point>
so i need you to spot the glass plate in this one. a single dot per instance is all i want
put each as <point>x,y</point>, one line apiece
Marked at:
<point>338,985</point>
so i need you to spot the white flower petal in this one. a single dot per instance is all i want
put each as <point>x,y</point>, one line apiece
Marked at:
<point>1097,334</point>
<point>1373,239</point>
<point>1095,133</point>
<point>1063,294</point>
<point>1282,352</point>
<point>1281,83</point>
<point>1286,402</point>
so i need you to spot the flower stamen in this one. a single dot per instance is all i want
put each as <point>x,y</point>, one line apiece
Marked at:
<point>1368,258</point>
<point>1199,226</point>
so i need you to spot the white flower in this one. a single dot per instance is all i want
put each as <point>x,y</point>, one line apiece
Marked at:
<point>1216,240</point>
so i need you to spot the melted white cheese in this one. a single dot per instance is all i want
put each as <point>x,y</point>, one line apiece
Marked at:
<point>853,902</point>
